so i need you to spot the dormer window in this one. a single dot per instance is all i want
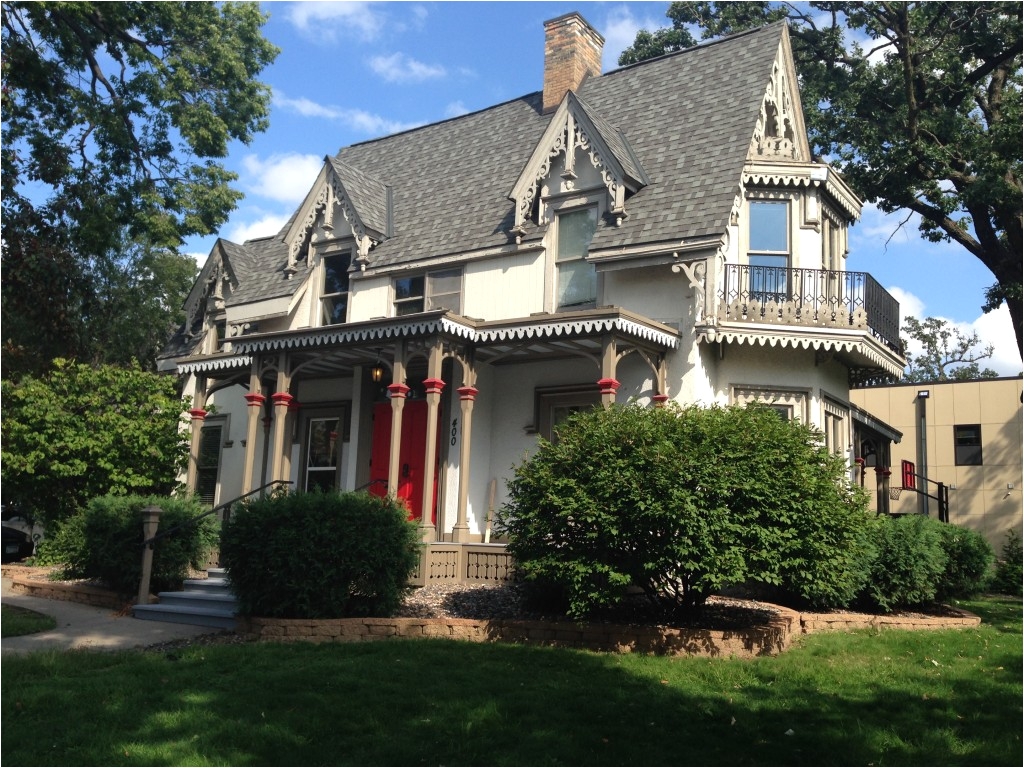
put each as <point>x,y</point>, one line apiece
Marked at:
<point>434,290</point>
<point>334,294</point>
<point>576,278</point>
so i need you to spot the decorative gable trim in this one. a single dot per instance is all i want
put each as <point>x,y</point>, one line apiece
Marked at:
<point>574,126</point>
<point>328,193</point>
<point>207,292</point>
<point>780,133</point>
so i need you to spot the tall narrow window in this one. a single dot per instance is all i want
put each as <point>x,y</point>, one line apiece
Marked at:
<point>334,298</point>
<point>577,278</point>
<point>322,454</point>
<point>208,463</point>
<point>768,254</point>
<point>967,444</point>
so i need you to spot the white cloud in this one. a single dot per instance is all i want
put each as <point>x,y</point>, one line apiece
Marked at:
<point>200,258</point>
<point>324,21</point>
<point>399,68</point>
<point>620,30</point>
<point>455,109</point>
<point>909,303</point>
<point>268,225</point>
<point>356,119</point>
<point>285,178</point>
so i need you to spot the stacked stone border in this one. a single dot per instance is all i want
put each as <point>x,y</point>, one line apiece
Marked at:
<point>768,639</point>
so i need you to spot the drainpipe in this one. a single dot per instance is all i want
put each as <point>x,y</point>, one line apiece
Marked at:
<point>922,447</point>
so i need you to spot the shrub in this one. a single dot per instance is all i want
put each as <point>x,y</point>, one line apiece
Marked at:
<point>1008,575</point>
<point>680,503</point>
<point>969,560</point>
<point>320,555</point>
<point>908,560</point>
<point>104,542</point>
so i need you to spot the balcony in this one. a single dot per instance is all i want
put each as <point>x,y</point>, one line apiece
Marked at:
<point>829,310</point>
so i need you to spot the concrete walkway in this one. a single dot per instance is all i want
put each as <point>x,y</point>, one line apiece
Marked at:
<point>86,627</point>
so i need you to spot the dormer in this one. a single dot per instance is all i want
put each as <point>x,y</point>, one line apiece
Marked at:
<point>343,203</point>
<point>578,153</point>
<point>205,311</point>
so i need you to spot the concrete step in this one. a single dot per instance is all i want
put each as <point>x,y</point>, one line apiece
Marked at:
<point>199,600</point>
<point>208,586</point>
<point>216,618</point>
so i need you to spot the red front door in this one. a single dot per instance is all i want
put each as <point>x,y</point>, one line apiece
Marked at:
<point>410,456</point>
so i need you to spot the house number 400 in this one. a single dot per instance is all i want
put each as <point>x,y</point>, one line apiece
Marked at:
<point>455,431</point>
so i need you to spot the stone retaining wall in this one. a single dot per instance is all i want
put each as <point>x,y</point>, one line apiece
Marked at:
<point>846,622</point>
<point>86,594</point>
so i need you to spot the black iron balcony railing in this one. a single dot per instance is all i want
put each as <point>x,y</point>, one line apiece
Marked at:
<point>811,297</point>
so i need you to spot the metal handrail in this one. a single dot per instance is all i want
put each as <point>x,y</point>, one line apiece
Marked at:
<point>226,506</point>
<point>364,486</point>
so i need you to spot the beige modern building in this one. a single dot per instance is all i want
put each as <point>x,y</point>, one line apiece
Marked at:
<point>965,435</point>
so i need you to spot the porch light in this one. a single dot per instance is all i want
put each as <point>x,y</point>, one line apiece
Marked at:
<point>377,372</point>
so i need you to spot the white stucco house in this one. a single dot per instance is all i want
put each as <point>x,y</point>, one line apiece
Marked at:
<point>444,295</point>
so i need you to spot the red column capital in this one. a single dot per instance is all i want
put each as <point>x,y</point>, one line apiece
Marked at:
<point>281,398</point>
<point>660,400</point>
<point>433,386</point>
<point>397,390</point>
<point>255,399</point>
<point>608,386</point>
<point>197,414</point>
<point>468,393</point>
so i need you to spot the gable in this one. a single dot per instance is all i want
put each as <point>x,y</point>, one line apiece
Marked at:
<point>780,133</point>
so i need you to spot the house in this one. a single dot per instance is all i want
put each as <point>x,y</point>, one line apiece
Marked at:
<point>965,435</point>
<point>445,295</point>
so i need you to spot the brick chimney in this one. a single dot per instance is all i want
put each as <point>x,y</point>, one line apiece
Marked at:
<point>572,52</point>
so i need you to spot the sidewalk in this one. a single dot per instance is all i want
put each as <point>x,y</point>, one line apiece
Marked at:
<point>86,627</point>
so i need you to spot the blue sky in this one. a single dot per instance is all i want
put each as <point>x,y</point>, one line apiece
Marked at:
<point>353,71</point>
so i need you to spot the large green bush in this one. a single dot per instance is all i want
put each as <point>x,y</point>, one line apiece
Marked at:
<point>681,503</point>
<point>104,542</point>
<point>907,562</point>
<point>320,555</point>
<point>1008,576</point>
<point>969,559</point>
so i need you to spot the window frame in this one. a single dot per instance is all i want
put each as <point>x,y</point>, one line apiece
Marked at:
<point>590,208</point>
<point>428,296</point>
<point>548,399</point>
<point>345,254</point>
<point>796,399</point>
<point>767,279</point>
<point>221,423</point>
<point>964,452</point>
<point>325,412</point>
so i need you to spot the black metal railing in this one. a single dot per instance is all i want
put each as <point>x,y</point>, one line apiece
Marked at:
<point>815,297</point>
<point>224,508</point>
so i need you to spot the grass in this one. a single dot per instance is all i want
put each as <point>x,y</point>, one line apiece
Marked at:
<point>923,698</point>
<point>16,621</point>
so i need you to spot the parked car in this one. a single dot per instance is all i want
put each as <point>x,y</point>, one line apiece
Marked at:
<point>17,544</point>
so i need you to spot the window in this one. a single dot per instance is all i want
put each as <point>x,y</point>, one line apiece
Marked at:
<point>789,404</point>
<point>208,462</point>
<point>334,298</point>
<point>768,254</point>
<point>322,451</point>
<point>967,444</point>
<point>576,278</point>
<point>423,293</point>
<point>556,404</point>
<point>835,427</point>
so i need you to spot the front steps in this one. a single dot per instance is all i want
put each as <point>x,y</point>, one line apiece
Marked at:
<point>204,602</point>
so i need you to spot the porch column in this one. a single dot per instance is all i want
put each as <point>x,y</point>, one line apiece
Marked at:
<point>198,417</point>
<point>608,384</point>
<point>290,427</point>
<point>281,398</point>
<point>661,383</point>
<point>467,396</point>
<point>255,401</point>
<point>434,386</point>
<point>397,390</point>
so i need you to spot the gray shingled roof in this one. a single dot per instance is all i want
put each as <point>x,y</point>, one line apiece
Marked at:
<point>687,118</point>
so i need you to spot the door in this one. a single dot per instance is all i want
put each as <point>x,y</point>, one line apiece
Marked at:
<point>410,456</point>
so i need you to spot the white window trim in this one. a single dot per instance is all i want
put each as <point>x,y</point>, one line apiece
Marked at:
<point>553,206</point>
<point>797,398</point>
<point>316,312</point>
<point>425,274</point>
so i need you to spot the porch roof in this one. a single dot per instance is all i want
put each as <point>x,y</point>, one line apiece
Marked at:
<point>336,349</point>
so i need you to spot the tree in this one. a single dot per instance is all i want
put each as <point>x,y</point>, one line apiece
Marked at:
<point>83,432</point>
<point>113,116</point>
<point>946,352</point>
<point>923,116</point>
<point>117,308</point>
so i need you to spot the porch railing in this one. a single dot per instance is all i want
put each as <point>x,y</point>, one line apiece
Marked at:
<point>810,297</point>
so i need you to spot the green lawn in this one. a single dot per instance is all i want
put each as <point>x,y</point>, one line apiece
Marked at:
<point>16,621</point>
<point>921,698</point>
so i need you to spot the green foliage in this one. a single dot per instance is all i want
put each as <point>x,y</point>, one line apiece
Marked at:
<point>923,114</point>
<point>114,115</point>
<point>908,561</point>
<point>1008,575</point>
<point>969,559</point>
<point>680,503</point>
<point>946,353</point>
<point>82,432</point>
<point>320,555</point>
<point>104,541</point>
